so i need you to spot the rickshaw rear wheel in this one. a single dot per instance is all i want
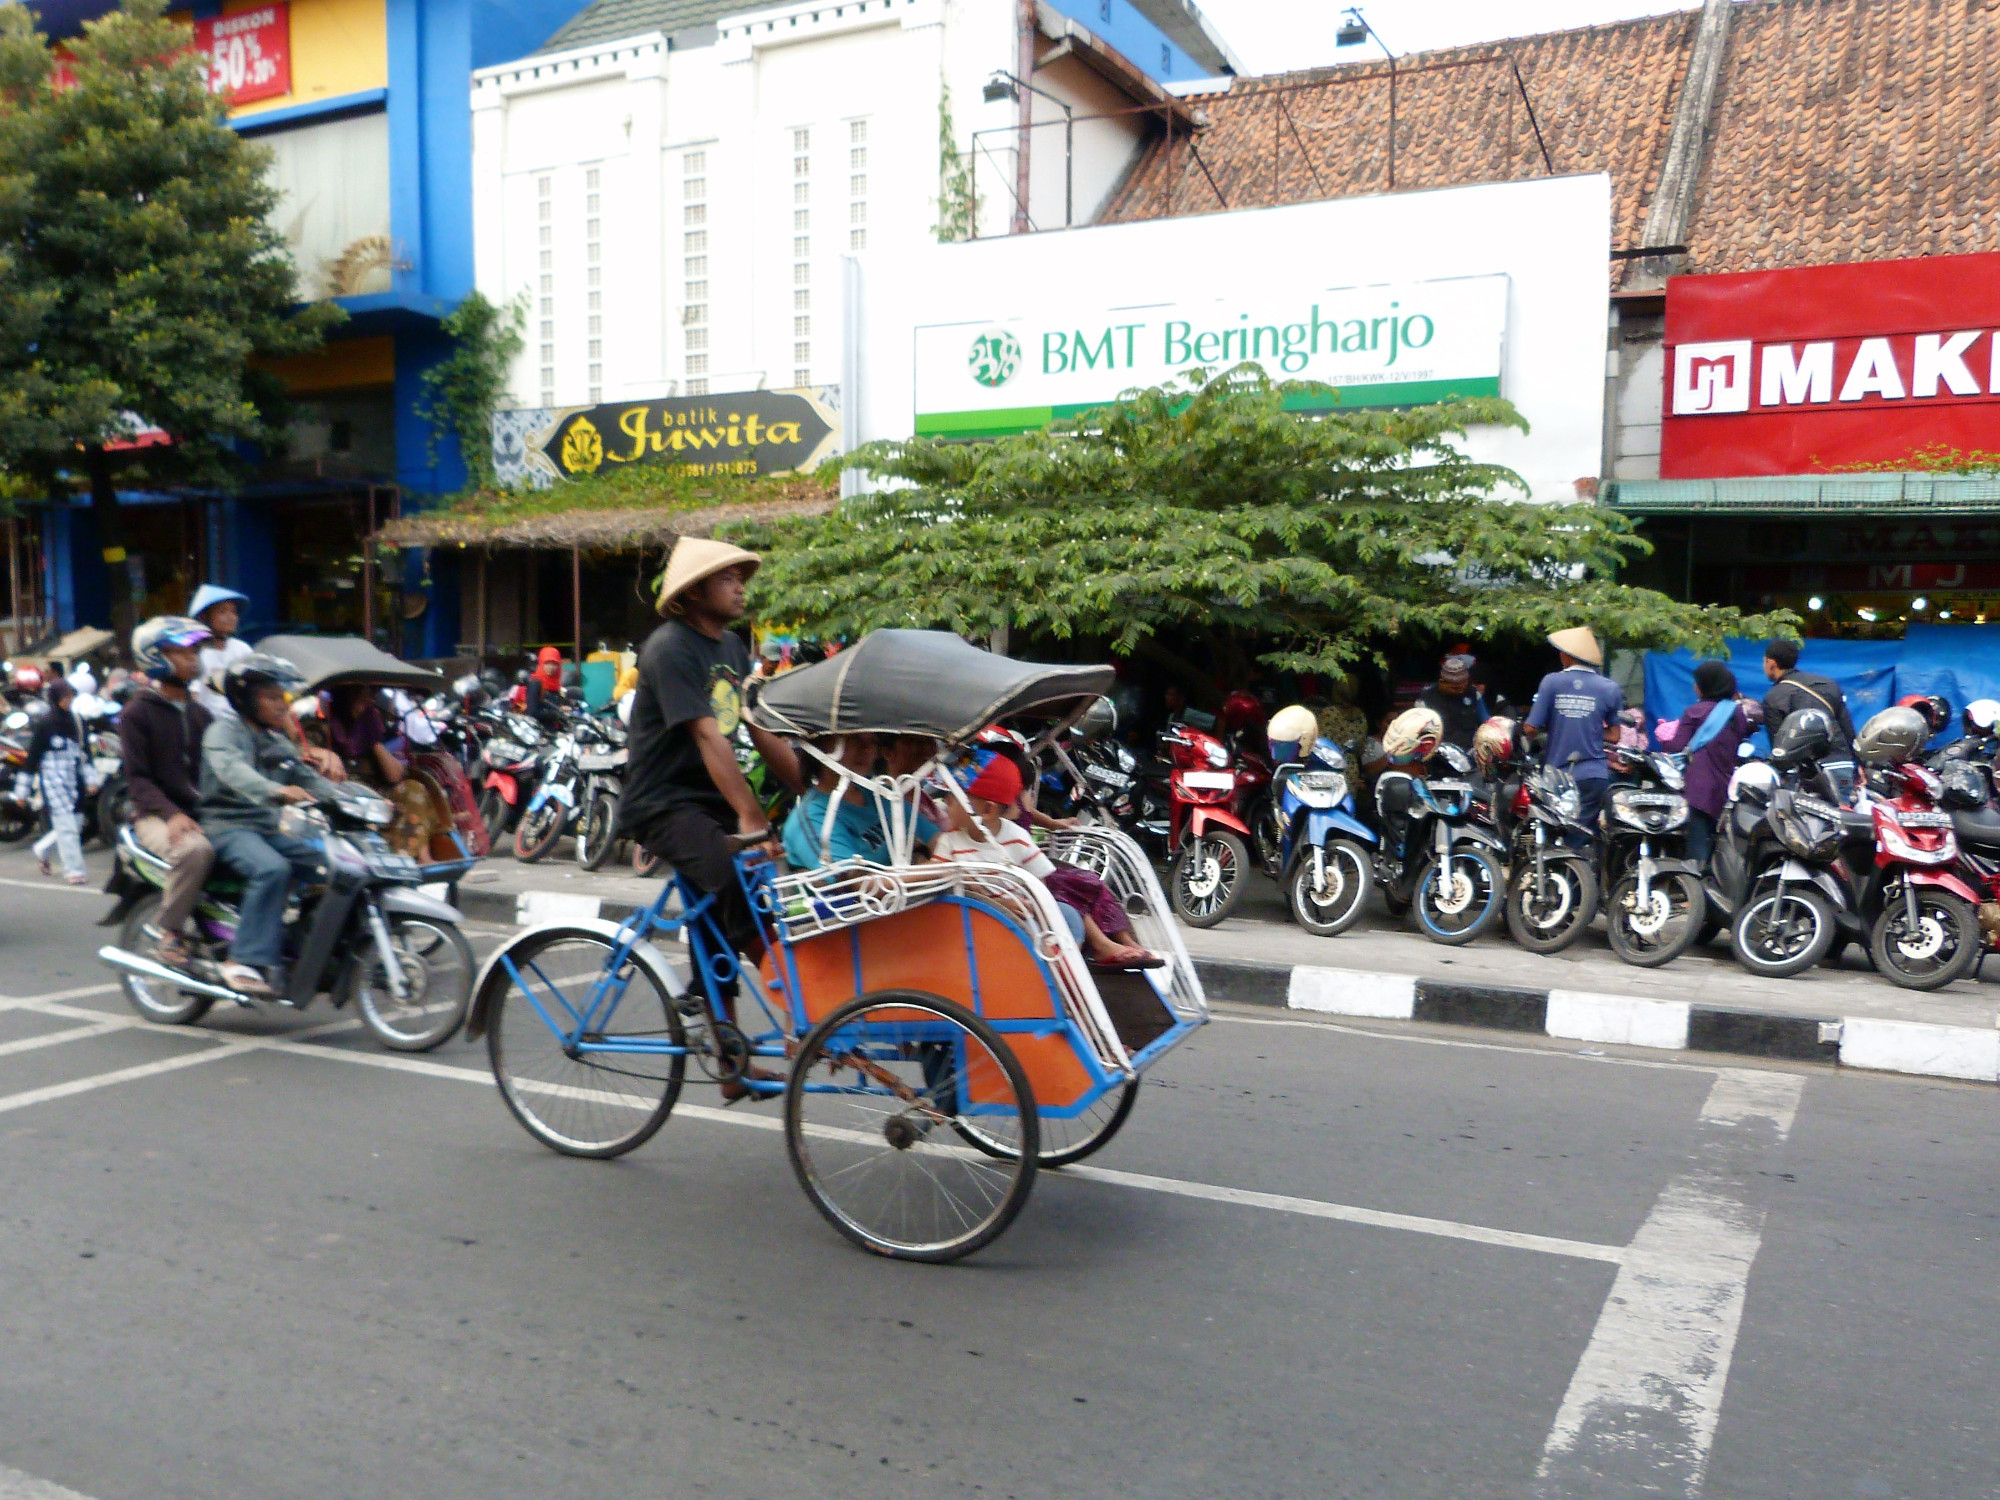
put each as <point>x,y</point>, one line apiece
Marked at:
<point>872,1087</point>
<point>1065,1141</point>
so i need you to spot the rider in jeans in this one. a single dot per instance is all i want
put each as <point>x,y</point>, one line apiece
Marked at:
<point>249,769</point>
<point>159,736</point>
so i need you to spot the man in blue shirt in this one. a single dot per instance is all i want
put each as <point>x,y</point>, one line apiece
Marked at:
<point>1576,709</point>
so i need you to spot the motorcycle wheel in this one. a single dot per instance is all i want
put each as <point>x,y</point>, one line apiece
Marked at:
<point>1943,948</point>
<point>1207,877</point>
<point>1561,914</point>
<point>112,800</point>
<point>597,831</point>
<point>1676,918</point>
<point>1330,909</point>
<point>538,832</point>
<point>438,968</point>
<point>494,812</point>
<point>155,1002</point>
<point>1466,910</point>
<point>1778,936</point>
<point>17,821</point>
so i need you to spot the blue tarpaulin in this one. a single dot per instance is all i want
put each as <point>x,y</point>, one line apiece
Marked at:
<point>1870,673</point>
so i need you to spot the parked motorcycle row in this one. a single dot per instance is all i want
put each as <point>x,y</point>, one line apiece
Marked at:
<point>1907,867</point>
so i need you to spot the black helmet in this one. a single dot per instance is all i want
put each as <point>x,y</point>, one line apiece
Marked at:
<point>1098,720</point>
<point>243,680</point>
<point>1804,737</point>
<point>1964,786</point>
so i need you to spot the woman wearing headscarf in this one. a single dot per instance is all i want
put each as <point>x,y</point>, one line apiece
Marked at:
<point>55,753</point>
<point>545,687</point>
<point>1710,748</point>
<point>358,734</point>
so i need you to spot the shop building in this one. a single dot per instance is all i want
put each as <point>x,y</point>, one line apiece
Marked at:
<point>363,105</point>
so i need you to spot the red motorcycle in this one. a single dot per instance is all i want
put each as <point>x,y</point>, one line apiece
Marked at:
<point>1926,931</point>
<point>1212,795</point>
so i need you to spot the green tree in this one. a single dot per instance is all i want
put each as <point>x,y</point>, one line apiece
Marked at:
<point>1211,508</point>
<point>465,388</point>
<point>139,230</point>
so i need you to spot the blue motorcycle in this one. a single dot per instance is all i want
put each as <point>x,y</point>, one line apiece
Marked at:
<point>1326,853</point>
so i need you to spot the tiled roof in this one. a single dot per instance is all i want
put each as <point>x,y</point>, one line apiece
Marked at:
<point>614,20</point>
<point>1843,130</point>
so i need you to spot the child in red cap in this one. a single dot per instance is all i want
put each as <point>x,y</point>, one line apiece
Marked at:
<point>987,836</point>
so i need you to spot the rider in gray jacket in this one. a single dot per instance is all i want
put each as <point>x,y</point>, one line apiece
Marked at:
<point>250,768</point>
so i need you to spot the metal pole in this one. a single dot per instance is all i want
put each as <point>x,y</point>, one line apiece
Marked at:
<point>1069,170</point>
<point>15,635</point>
<point>1392,119</point>
<point>368,573</point>
<point>576,598</point>
<point>1024,68</point>
<point>480,575</point>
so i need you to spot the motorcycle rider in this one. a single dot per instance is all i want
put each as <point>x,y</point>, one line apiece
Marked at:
<point>249,768</point>
<point>1576,710</point>
<point>159,736</point>
<point>219,609</point>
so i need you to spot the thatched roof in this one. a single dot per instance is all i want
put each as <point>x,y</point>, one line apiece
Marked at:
<point>602,530</point>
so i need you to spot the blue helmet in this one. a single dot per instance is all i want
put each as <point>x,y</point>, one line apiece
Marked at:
<point>165,630</point>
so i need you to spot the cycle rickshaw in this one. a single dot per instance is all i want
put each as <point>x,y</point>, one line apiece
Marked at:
<point>945,1036</point>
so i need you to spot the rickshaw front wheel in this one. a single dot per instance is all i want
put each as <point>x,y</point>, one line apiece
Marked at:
<point>875,1093</point>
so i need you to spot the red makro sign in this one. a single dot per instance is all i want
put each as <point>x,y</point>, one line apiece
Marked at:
<point>1831,367</point>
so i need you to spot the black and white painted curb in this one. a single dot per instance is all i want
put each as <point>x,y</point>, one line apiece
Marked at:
<point>1968,1052</point>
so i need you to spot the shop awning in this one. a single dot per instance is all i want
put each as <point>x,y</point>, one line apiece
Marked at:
<point>593,530</point>
<point>1829,494</point>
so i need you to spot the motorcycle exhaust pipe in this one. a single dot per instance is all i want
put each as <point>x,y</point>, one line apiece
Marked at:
<point>159,973</point>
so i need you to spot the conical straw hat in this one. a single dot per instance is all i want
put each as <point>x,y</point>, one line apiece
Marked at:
<point>1579,642</point>
<point>695,558</point>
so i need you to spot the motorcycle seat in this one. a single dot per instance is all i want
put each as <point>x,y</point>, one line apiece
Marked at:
<point>1857,821</point>
<point>221,882</point>
<point>1979,826</point>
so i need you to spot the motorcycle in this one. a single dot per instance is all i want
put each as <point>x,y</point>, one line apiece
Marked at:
<point>557,799</point>
<point>603,771</point>
<point>20,792</point>
<point>1209,838</point>
<point>1552,887</point>
<point>1776,874</point>
<point>512,758</point>
<point>1654,905</point>
<point>1326,857</point>
<point>366,935</point>
<point>1926,931</point>
<point>1435,861</point>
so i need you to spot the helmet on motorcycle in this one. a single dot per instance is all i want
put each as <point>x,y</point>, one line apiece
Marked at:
<point>28,679</point>
<point>1805,736</point>
<point>1965,786</point>
<point>1098,720</point>
<point>1413,736</point>
<point>1981,716</point>
<point>1624,753</point>
<point>1240,710</point>
<point>165,630</point>
<point>247,677</point>
<point>470,691</point>
<point>1493,742</point>
<point>1936,711</point>
<point>1290,730</point>
<point>1891,737</point>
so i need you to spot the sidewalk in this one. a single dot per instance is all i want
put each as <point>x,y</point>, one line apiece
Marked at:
<point>1703,1001</point>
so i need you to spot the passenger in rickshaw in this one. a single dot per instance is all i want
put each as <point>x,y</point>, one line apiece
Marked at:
<point>358,734</point>
<point>858,831</point>
<point>982,833</point>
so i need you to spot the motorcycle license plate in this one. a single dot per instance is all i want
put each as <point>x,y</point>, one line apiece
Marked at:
<point>1208,781</point>
<point>1926,820</point>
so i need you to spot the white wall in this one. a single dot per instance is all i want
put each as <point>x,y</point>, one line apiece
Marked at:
<point>634,110</point>
<point>1550,237</point>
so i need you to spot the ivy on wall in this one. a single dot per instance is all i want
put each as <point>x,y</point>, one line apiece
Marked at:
<point>958,200</point>
<point>464,389</point>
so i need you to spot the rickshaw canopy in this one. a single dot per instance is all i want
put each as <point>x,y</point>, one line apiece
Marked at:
<point>335,660</point>
<point>918,682</point>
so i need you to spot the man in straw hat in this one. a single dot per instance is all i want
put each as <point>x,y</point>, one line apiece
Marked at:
<point>684,793</point>
<point>1577,709</point>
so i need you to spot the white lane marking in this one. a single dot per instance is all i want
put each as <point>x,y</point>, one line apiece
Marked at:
<point>55,885</point>
<point>119,1075</point>
<point>1640,1413</point>
<point>1506,1239</point>
<point>14,1485</point>
<point>57,1038</point>
<point>1240,1197</point>
<point>82,992</point>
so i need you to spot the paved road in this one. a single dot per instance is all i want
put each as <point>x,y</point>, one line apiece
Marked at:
<point>1321,1261</point>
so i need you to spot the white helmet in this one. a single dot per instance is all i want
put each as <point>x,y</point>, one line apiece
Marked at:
<point>1982,716</point>
<point>1413,736</point>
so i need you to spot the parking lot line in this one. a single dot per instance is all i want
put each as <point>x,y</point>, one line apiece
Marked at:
<point>14,1485</point>
<point>1640,1413</point>
<point>121,1075</point>
<point>57,1038</point>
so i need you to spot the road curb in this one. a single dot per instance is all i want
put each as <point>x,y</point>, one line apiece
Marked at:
<point>1871,1042</point>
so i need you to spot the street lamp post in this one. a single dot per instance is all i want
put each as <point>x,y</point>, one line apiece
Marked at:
<point>1354,30</point>
<point>1005,85</point>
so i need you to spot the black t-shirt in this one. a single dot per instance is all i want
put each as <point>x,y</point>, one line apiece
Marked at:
<point>683,676</point>
<point>1462,713</point>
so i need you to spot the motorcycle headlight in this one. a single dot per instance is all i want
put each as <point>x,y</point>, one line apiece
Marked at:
<point>1217,756</point>
<point>1569,803</point>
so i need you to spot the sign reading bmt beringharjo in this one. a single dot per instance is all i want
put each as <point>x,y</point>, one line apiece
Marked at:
<point>1396,345</point>
<point>740,432</point>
